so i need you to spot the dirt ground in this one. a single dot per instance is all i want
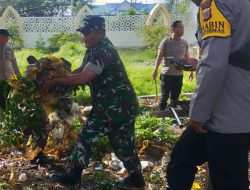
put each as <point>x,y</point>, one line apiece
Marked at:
<point>18,174</point>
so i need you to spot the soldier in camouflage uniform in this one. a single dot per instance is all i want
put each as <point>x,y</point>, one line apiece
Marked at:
<point>114,106</point>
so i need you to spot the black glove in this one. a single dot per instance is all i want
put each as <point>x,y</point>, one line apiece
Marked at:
<point>31,59</point>
<point>179,63</point>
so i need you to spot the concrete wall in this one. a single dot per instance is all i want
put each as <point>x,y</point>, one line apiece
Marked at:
<point>122,30</point>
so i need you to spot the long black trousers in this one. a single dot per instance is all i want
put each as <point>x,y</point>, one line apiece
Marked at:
<point>170,86</point>
<point>4,90</point>
<point>226,154</point>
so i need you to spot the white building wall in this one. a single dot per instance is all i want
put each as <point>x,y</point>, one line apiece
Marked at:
<point>121,30</point>
<point>127,39</point>
<point>31,38</point>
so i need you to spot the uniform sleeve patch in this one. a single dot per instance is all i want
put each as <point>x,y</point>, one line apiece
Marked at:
<point>213,22</point>
<point>95,68</point>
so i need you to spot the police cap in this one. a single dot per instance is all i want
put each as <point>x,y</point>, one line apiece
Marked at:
<point>91,23</point>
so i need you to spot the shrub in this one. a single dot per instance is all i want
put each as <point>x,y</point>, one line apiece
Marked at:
<point>130,11</point>
<point>41,45</point>
<point>57,40</point>
<point>71,49</point>
<point>153,35</point>
<point>144,12</point>
<point>20,113</point>
<point>156,129</point>
<point>82,96</point>
<point>15,40</point>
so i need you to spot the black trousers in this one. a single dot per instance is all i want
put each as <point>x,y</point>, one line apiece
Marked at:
<point>226,154</point>
<point>170,85</point>
<point>4,90</point>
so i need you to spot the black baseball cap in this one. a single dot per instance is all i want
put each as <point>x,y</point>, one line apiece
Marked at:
<point>4,32</point>
<point>91,23</point>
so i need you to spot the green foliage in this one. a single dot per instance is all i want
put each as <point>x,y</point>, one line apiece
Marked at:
<point>71,49</point>
<point>54,7</point>
<point>3,185</point>
<point>15,40</point>
<point>28,108</point>
<point>134,57</point>
<point>130,11</point>
<point>78,4</point>
<point>156,179</point>
<point>22,111</point>
<point>103,180</point>
<point>101,147</point>
<point>156,129</point>
<point>37,8</point>
<point>82,97</point>
<point>41,44</point>
<point>22,54</point>
<point>139,64</point>
<point>58,40</point>
<point>140,76</point>
<point>188,86</point>
<point>182,8</point>
<point>144,12</point>
<point>76,124</point>
<point>153,35</point>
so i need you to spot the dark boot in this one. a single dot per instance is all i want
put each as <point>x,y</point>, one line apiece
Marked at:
<point>42,160</point>
<point>173,103</point>
<point>162,106</point>
<point>72,178</point>
<point>133,181</point>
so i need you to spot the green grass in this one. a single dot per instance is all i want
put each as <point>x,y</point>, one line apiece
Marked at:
<point>137,56</point>
<point>73,52</point>
<point>21,56</point>
<point>138,62</point>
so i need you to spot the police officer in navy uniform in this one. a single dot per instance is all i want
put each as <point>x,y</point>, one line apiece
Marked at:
<point>8,65</point>
<point>219,131</point>
<point>114,106</point>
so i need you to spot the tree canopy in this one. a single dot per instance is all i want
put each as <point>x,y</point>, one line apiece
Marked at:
<point>78,4</point>
<point>39,8</point>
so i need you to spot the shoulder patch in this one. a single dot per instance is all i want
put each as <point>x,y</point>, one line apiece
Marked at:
<point>213,22</point>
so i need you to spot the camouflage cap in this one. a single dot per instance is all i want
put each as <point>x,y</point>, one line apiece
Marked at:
<point>91,23</point>
<point>4,32</point>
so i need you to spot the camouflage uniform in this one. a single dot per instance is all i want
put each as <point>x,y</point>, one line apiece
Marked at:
<point>114,108</point>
